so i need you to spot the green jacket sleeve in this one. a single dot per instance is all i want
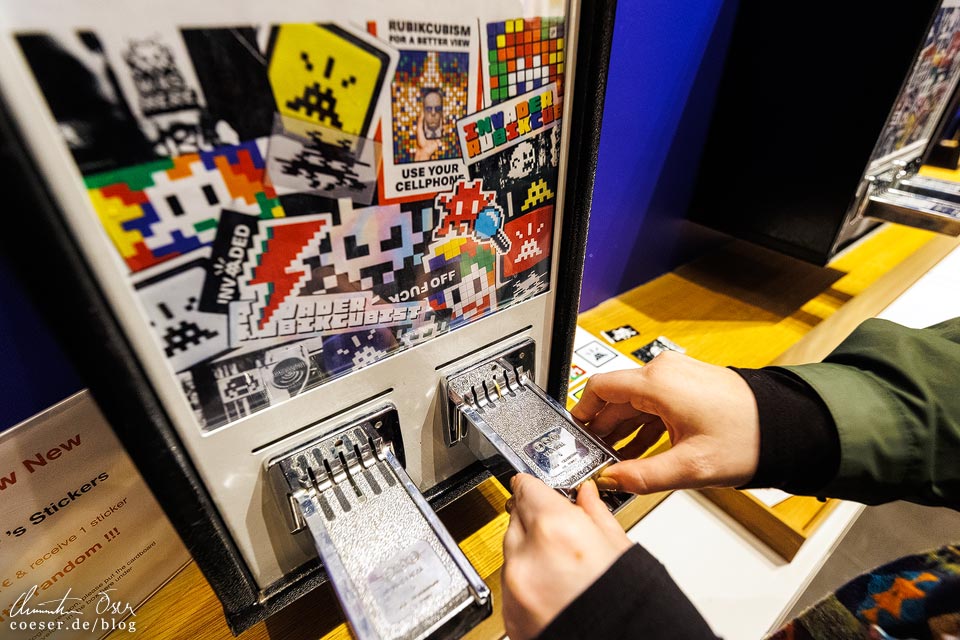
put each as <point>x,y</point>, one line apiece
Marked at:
<point>894,395</point>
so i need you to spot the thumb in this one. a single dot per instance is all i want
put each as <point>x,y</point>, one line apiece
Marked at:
<point>672,469</point>
<point>588,499</point>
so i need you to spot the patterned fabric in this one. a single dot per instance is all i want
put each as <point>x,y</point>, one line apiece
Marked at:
<point>914,597</point>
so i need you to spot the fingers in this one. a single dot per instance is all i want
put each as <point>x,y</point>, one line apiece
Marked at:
<point>669,470</point>
<point>648,436</point>
<point>534,499</point>
<point>627,427</point>
<point>612,416</point>
<point>513,538</point>
<point>617,387</point>
<point>588,499</point>
<point>421,134</point>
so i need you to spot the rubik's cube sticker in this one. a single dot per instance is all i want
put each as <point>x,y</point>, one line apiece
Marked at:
<point>429,94</point>
<point>502,126</point>
<point>434,86</point>
<point>521,55</point>
<point>328,75</point>
<point>159,210</point>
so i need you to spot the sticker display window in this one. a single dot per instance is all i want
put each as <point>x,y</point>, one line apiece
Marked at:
<point>293,202</point>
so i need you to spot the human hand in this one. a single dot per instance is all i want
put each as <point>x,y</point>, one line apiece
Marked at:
<point>552,551</point>
<point>425,146</point>
<point>709,412</point>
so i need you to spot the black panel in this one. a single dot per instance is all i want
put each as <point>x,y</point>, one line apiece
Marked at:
<point>804,96</point>
<point>594,42</point>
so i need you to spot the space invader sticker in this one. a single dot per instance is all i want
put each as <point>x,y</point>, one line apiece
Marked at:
<point>619,334</point>
<point>470,211</point>
<point>305,157</point>
<point>329,74</point>
<point>187,335</point>
<point>370,249</point>
<point>595,354</point>
<point>648,352</point>
<point>520,55</point>
<point>530,237</point>
<point>159,210</point>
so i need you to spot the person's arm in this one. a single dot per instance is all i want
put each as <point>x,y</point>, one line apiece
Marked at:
<point>571,573</point>
<point>878,420</point>
<point>893,394</point>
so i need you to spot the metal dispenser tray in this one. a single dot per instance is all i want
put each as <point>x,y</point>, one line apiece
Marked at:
<point>499,411</point>
<point>899,194</point>
<point>395,569</point>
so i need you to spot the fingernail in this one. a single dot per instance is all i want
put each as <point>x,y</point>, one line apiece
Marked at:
<point>607,484</point>
<point>508,505</point>
<point>513,481</point>
<point>583,484</point>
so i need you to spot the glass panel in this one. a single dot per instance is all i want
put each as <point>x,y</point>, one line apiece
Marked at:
<point>293,202</point>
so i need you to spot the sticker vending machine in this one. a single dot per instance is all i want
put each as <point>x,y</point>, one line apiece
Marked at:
<point>320,266</point>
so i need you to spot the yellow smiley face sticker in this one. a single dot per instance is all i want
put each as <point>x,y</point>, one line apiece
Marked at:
<point>326,75</point>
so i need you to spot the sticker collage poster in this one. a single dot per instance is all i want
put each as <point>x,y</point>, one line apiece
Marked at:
<point>929,85</point>
<point>293,202</point>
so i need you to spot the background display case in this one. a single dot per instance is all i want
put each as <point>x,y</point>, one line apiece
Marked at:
<point>814,110</point>
<point>306,258</point>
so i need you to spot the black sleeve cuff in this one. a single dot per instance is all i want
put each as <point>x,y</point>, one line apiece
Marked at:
<point>635,598</point>
<point>799,444</point>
